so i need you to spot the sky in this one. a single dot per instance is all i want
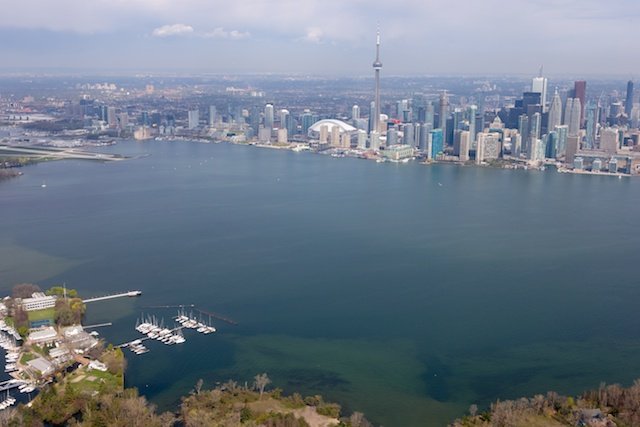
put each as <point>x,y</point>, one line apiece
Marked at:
<point>331,37</point>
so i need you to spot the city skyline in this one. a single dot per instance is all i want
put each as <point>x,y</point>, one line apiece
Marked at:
<point>327,37</point>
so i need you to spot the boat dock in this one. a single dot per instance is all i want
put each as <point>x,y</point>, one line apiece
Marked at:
<point>217,317</point>
<point>106,297</point>
<point>8,385</point>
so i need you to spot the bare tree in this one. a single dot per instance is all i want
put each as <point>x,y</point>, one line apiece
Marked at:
<point>356,419</point>
<point>473,410</point>
<point>262,380</point>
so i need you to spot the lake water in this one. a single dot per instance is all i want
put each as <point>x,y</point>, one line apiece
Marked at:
<point>406,292</point>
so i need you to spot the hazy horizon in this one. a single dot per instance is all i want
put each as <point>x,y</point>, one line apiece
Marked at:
<point>570,37</point>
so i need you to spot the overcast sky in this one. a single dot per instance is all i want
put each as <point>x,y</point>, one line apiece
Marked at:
<point>576,37</point>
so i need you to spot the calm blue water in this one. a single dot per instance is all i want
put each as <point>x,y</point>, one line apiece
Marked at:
<point>407,292</point>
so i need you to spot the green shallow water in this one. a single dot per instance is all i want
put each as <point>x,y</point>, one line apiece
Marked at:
<point>403,291</point>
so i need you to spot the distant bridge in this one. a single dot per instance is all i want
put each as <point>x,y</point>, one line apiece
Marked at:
<point>106,297</point>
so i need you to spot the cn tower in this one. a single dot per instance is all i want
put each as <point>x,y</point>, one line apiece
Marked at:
<point>377,65</point>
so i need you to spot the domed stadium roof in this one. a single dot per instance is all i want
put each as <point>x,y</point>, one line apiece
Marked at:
<point>330,123</point>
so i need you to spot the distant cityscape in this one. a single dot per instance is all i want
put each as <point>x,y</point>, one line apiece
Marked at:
<point>501,121</point>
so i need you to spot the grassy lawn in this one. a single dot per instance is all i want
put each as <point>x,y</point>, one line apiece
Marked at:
<point>26,357</point>
<point>47,313</point>
<point>93,380</point>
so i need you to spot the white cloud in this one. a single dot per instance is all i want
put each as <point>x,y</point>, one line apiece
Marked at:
<point>221,33</point>
<point>172,30</point>
<point>314,35</point>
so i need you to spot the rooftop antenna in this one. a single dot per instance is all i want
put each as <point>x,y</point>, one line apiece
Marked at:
<point>541,69</point>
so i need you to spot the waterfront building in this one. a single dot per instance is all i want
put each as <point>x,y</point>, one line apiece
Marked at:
<point>561,147</point>
<point>555,112</point>
<point>596,165</point>
<point>268,116</point>
<point>282,136</point>
<point>472,112</point>
<point>489,146</point>
<point>609,140</point>
<point>408,137</point>
<point>392,136</point>
<point>465,145</point>
<point>193,119</point>
<point>535,126</point>
<point>306,121</point>
<point>591,125</point>
<point>43,335</point>
<point>213,115</point>
<point>444,115</point>
<point>572,116</point>
<point>335,136</point>
<point>355,113</point>
<point>573,144</point>
<point>398,152</point>
<point>516,145</point>
<point>264,134</point>
<point>282,118</point>
<point>551,145</point>
<point>362,139</point>
<point>578,163</point>
<point>424,136</point>
<point>41,365</point>
<point>345,140</point>
<point>123,120</point>
<point>523,130</point>
<point>112,119</point>
<point>436,138</point>
<point>38,301</point>
<point>374,140</point>
<point>613,165</point>
<point>429,114</point>
<point>628,105</point>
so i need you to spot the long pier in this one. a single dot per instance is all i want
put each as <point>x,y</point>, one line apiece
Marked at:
<point>8,385</point>
<point>218,317</point>
<point>106,297</point>
<point>145,337</point>
<point>98,325</point>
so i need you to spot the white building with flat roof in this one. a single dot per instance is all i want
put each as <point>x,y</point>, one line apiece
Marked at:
<point>38,301</point>
<point>43,336</point>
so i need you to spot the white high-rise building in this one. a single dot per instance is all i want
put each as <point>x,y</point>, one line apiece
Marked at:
<point>282,136</point>
<point>268,116</point>
<point>539,84</point>
<point>213,115</point>
<point>194,119</point>
<point>555,112</point>
<point>362,139</point>
<point>355,112</point>
<point>574,122</point>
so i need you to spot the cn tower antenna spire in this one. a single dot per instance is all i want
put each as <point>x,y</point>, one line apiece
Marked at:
<point>377,66</point>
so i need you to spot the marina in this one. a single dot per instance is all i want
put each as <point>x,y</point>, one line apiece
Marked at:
<point>153,328</point>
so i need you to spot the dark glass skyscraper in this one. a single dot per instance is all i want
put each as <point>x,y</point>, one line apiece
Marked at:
<point>628,106</point>
<point>580,92</point>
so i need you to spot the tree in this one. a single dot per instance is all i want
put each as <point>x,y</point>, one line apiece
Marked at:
<point>262,380</point>
<point>60,291</point>
<point>25,290</point>
<point>198,386</point>
<point>473,410</point>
